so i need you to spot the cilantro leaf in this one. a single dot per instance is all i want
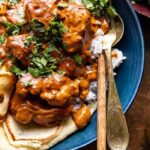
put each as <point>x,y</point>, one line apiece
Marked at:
<point>33,71</point>
<point>56,30</point>
<point>78,59</point>
<point>2,39</point>
<point>42,63</point>
<point>38,26</point>
<point>51,48</point>
<point>28,41</point>
<point>111,11</point>
<point>96,7</point>
<point>12,29</point>
<point>14,69</point>
<point>99,7</point>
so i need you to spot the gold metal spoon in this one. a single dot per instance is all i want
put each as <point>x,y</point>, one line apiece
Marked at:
<point>117,130</point>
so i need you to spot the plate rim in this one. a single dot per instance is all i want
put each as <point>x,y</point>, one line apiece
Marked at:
<point>140,73</point>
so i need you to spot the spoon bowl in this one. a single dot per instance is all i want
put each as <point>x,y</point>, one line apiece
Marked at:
<point>119,27</point>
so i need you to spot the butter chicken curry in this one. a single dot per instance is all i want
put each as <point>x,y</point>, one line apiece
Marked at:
<point>46,45</point>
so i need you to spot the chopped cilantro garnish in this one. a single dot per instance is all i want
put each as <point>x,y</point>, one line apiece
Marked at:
<point>44,71</point>
<point>33,71</point>
<point>99,7</point>
<point>51,48</point>
<point>2,39</point>
<point>28,41</point>
<point>38,26</point>
<point>95,7</point>
<point>56,30</point>
<point>12,29</point>
<point>14,69</point>
<point>42,63</point>
<point>78,59</point>
<point>111,11</point>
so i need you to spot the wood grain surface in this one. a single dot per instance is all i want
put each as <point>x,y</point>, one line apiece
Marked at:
<point>101,104</point>
<point>139,112</point>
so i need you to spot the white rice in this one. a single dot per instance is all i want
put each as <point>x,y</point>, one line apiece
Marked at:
<point>96,45</point>
<point>118,59</point>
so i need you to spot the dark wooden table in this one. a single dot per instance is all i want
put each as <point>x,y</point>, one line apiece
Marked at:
<point>139,111</point>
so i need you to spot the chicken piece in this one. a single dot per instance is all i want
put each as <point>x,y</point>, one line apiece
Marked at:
<point>7,85</point>
<point>76,19</point>
<point>26,110</point>
<point>84,88</point>
<point>82,116</point>
<point>57,90</point>
<point>92,72</point>
<point>41,10</point>
<point>68,66</point>
<point>16,46</point>
<point>29,84</point>
<point>81,72</point>
<point>89,73</point>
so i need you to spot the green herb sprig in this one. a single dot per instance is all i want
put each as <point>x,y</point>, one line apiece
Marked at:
<point>14,69</point>
<point>12,29</point>
<point>42,63</point>
<point>99,7</point>
<point>78,59</point>
<point>56,30</point>
<point>2,39</point>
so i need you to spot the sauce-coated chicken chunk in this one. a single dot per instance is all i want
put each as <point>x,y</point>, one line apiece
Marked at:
<point>41,11</point>
<point>15,45</point>
<point>82,116</point>
<point>57,90</point>
<point>76,20</point>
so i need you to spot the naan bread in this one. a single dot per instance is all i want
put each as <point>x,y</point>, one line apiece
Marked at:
<point>7,84</point>
<point>15,136</point>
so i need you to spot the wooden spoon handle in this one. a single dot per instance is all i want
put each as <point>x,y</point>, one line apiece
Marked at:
<point>101,108</point>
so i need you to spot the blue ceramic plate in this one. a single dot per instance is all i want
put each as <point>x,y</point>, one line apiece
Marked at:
<point>128,78</point>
